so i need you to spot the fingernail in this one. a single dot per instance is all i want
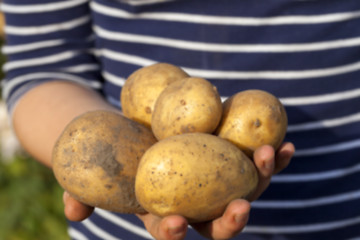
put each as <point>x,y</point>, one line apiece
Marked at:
<point>240,218</point>
<point>176,230</point>
<point>269,164</point>
<point>286,156</point>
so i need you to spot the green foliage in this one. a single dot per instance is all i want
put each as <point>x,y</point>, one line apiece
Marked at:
<point>30,202</point>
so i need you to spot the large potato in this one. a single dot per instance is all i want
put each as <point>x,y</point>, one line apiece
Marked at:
<point>253,118</point>
<point>143,87</point>
<point>195,175</point>
<point>188,105</point>
<point>96,159</point>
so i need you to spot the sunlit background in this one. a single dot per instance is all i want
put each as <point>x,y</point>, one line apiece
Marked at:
<point>31,205</point>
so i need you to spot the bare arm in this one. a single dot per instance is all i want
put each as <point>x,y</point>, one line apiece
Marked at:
<point>44,111</point>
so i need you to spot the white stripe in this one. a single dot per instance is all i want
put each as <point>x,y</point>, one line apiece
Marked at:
<point>325,98</point>
<point>124,224</point>
<point>40,60</point>
<point>116,102</point>
<point>20,48</point>
<point>75,234</point>
<point>34,30</point>
<point>224,20</point>
<point>328,123</point>
<point>232,48</point>
<point>119,81</point>
<point>98,231</point>
<point>283,204</point>
<point>8,86</point>
<point>31,46</point>
<point>81,68</point>
<point>123,57</point>
<point>238,75</point>
<point>275,75</point>
<point>40,8</point>
<point>313,227</point>
<point>316,176</point>
<point>143,2</point>
<point>343,146</point>
<point>224,98</point>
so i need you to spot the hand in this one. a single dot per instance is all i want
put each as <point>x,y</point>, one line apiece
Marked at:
<point>237,212</point>
<point>227,226</point>
<point>175,227</point>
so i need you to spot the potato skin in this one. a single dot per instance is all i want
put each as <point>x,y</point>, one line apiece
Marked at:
<point>96,158</point>
<point>195,175</point>
<point>142,88</point>
<point>253,118</point>
<point>185,106</point>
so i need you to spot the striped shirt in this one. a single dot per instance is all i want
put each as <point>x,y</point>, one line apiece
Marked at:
<point>306,52</point>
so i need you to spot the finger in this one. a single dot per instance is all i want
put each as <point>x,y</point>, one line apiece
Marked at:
<point>283,156</point>
<point>75,210</point>
<point>167,228</point>
<point>264,160</point>
<point>230,224</point>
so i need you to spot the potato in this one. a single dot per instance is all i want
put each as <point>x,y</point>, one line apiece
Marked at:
<point>253,118</point>
<point>96,157</point>
<point>185,106</point>
<point>143,87</point>
<point>195,175</point>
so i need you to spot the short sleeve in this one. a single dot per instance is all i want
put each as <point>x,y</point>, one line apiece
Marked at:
<point>47,40</point>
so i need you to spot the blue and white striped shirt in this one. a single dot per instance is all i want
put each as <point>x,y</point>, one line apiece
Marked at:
<point>306,52</point>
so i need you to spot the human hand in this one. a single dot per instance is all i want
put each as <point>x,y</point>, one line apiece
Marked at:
<point>231,223</point>
<point>175,227</point>
<point>227,226</point>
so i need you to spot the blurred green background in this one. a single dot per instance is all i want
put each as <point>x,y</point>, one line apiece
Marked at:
<point>30,202</point>
<point>31,205</point>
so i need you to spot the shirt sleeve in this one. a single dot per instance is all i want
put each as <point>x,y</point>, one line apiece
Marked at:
<point>47,40</point>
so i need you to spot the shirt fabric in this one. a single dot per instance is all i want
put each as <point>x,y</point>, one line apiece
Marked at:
<point>306,52</point>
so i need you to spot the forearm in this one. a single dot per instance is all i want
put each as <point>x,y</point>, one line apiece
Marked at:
<point>42,114</point>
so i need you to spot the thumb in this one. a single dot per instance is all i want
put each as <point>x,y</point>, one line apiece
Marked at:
<point>75,210</point>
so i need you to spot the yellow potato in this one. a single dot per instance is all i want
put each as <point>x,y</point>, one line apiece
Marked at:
<point>96,157</point>
<point>253,118</point>
<point>195,175</point>
<point>188,105</point>
<point>143,87</point>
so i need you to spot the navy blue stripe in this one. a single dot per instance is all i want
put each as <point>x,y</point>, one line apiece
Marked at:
<point>348,232</point>
<point>322,162</point>
<point>45,18</point>
<point>246,8</point>
<point>313,189</point>
<point>274,34</point>
<point>241,61</point>
<point>81,32</point>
